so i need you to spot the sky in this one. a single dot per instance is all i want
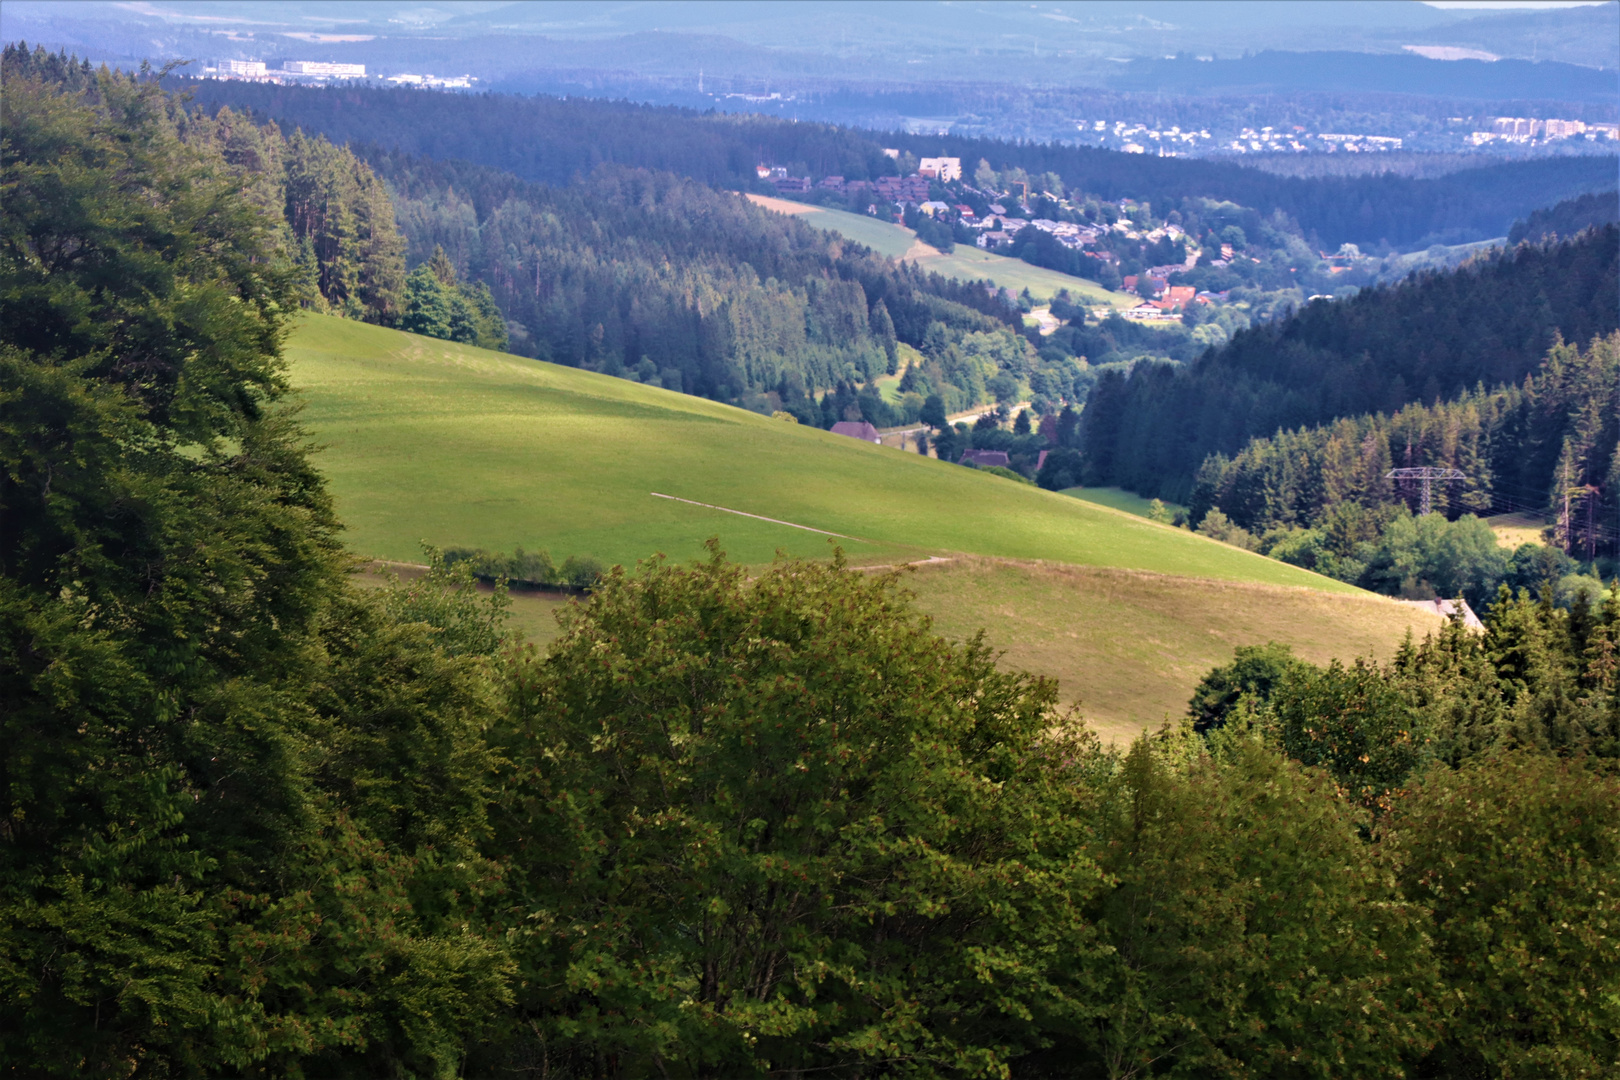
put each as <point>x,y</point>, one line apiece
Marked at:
<point>1503,5</point>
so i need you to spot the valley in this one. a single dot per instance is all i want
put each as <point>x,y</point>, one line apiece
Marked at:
<point>458,446</point>
<point>969,670</point>
<point>964,264</point>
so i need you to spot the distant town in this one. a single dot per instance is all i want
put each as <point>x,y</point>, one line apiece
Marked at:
<point>1518,129</point>
<point>317,71</point>
<point>1136,138</point>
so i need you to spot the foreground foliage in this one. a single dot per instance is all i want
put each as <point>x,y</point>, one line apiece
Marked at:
<point>779,825</point>
<point>257,822</point>
<point>240,805</point>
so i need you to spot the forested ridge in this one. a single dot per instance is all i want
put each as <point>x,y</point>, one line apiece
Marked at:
<point>638,274</point>
<point>1431,338</point>
<point>1520,446</point>
<point>1592,210</point>
<point>554,140</point>
<point>256,820</point>
<point>667,280</point>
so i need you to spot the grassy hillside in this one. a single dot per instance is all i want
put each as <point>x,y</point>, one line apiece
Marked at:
<point>1126,647</point>
<point>425,439</point>
<point>963,264</point>
<point>1129,647</point>
<point>1118,499</point>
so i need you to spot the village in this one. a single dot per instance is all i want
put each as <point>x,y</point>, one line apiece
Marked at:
<point>996,221</point>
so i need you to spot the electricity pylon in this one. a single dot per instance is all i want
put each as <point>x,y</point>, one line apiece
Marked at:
<point>1427,474</point>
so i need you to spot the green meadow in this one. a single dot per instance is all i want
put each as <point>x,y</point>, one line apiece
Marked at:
<point>963,264</point>
<point>1114,498</point>
<point>428,440</point>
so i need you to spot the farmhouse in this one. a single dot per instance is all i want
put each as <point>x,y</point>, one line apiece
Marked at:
<point>857,429</point>
<point>983,458</point>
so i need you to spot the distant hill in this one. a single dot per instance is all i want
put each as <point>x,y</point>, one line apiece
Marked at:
<point>1058,43</point>
<point>1427,339</point>
<point>1357,72</point>
<point>553,140</point>
<point>1568,218</point>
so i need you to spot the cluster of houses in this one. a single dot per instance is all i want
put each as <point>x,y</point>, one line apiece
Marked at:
<point>290,71</point>
<point>984,459</point>
<point>996,228</point>
<point>1520,129</point>
<point>898,189</point>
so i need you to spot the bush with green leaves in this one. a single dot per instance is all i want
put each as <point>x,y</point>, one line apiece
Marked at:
<point>1517,855</point>
<point>774,823</point>
<point>1250,930</point>
<point>241,807</point>
<point>532,569</point>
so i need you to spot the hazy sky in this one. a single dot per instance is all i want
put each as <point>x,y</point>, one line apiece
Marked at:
<point>1513,3</point>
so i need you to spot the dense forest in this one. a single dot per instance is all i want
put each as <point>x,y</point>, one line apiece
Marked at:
<point>1592,210</point>
<point>1521,446</point>
<point>1428,339</point>
<point>637,274</point>
<point>663,279</point>
<point>554,140</point>
<point>336,223</point>
<point>1550,448</point>
<point>256,820</point>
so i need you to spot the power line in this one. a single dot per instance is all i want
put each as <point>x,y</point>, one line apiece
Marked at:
<point>1427,474</point>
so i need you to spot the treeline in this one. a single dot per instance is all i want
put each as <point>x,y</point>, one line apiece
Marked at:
<point>555,140</point>
<point>654,277</point>
<point>1431,338</point>
<point>1547,445</point>
<point>1572,216</point>
<point>256,820</point>
<point>1538,677</point>
<point>335,223</point>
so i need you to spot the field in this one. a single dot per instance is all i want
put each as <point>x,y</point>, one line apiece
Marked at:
<point>1129,647</point>
<point>963,264</point>
<point>1513,530</point>
<point>427,440</point>
<point>1119,499</point>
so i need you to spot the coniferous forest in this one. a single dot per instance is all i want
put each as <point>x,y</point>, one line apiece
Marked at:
<point>565,138</point>
<point>256,820</point>
<point>1503,369</point>
<point>663,279</point>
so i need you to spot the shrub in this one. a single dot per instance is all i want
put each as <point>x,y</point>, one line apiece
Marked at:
<point>1518,857</point>
<point>773,823</point>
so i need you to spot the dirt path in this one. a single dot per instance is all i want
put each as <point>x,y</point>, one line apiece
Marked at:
<point>1045,319</point>
<point>782,206</point>
<point>756,517</point>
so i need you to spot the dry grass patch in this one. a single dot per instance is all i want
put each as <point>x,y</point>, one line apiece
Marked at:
<point>1129,646</point>
<point>1514,530</point>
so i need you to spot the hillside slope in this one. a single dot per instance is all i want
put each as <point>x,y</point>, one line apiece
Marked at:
<point>426,439</point>
<point>966,263</point>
